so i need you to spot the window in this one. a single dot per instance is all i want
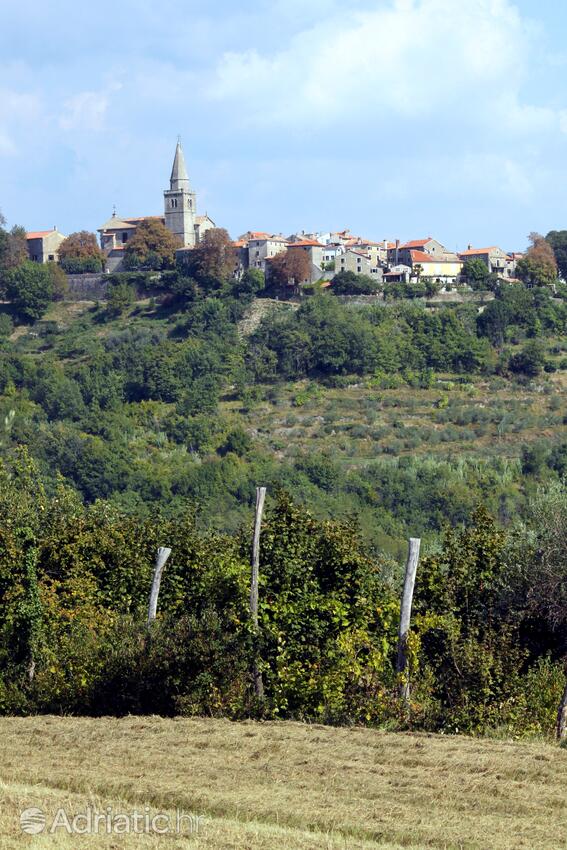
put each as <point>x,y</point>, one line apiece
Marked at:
<point>51,258</point>
<point>124,238</point>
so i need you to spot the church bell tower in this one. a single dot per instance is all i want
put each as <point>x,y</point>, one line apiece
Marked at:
<point>180,202</point>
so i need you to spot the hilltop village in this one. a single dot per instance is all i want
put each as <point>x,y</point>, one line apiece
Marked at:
<point>309,257</point>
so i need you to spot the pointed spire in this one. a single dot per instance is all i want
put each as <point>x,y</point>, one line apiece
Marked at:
<point>179,177</point>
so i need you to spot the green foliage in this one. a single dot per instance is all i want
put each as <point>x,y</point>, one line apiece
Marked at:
<point>119,296</point>
<point>476,274</point>
<point>324,337</point>
<point>538,267</point>
<point>81,265</point>
<point>251,283</point>
<point>530,361</point>
<point>152,246</point>
<point>80,253</point>
<point>558,241</point>
<point>30,289</point>
<point>6,325</point>
<point>328,623</point>
<point>349,283</point>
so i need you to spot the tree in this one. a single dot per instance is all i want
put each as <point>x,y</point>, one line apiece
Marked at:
<point>493,321</point>
<point>290,268</point>
<point>476,274</point>
<point>213,262</point>
<point>251,282</point>
<point>59,281</point>
<point>119,297</point>
<point>349,283</point>
<point>558,241</point>
<point>17,247</point>
<point>13,246</point>
<point>80,253</point>
<point>530,361</point>
<point>152,246</point>
<point>30,289</point>
<point>539,266</point>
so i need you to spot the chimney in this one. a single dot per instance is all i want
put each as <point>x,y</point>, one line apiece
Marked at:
<point>397,252</point>
<point>469,248</point>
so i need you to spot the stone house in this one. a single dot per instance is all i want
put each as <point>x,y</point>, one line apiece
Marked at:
<point>262,247</point>
<point>495,259</point>
<point>314,251</point>
<point>401,254</point>
<point>43,245</point>
<point>354,261</point>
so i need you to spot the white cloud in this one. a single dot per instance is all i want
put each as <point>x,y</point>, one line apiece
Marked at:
<point>406,59</point>
<point>18,111</point>
<point>84,111</point>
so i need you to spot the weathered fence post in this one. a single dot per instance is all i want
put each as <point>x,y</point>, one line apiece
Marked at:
<point>256,672</point>
<point>162,555</point>
<point>405,617</point>
<point>562,717</point>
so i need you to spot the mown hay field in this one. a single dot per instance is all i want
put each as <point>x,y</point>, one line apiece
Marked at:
<point>278,786</point>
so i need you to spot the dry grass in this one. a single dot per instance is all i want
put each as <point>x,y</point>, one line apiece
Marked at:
<point>287,785</point>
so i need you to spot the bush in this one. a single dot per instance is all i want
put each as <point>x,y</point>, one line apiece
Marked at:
<point>30,289</point>
<point>119,296</point>
<point>6,325</point>
<point>81,265</point>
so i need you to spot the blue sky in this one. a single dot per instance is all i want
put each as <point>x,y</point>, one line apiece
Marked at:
<point>396,118</point>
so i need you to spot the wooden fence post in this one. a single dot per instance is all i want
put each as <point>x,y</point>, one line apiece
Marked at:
<point>562,717</point>
<point>256,672</point>
<point>161,559</point>
<point>405,617</point>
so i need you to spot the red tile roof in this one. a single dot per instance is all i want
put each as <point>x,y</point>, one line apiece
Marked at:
<point>306,243</point>
<point>476,251</point>
<point>422,257</point>
<point>39,234</point>
<point>416,243</point>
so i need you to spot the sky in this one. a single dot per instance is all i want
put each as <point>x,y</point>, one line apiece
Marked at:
<point>394,118</point>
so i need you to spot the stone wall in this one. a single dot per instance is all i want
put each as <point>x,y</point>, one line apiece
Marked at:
<point>86,287</point>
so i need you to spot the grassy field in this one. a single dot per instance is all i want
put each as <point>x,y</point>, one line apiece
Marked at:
<point>281,786</point>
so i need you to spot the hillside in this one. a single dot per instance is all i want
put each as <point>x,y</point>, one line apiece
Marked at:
<point>405,424</point>
<point>284,786</point>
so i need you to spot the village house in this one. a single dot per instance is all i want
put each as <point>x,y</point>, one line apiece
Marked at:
<point>314,251</point>
<point>331,252</point>
<point>398,274</point>
<point>401,254</point>
<point>444,270</point>
<point>43,245</point>
<point>496,260</point>
<point>262,247</point>
<point>377,251</point>
<point>354,261</point>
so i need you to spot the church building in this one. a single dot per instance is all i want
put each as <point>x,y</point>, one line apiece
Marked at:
<point>180,216</point>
